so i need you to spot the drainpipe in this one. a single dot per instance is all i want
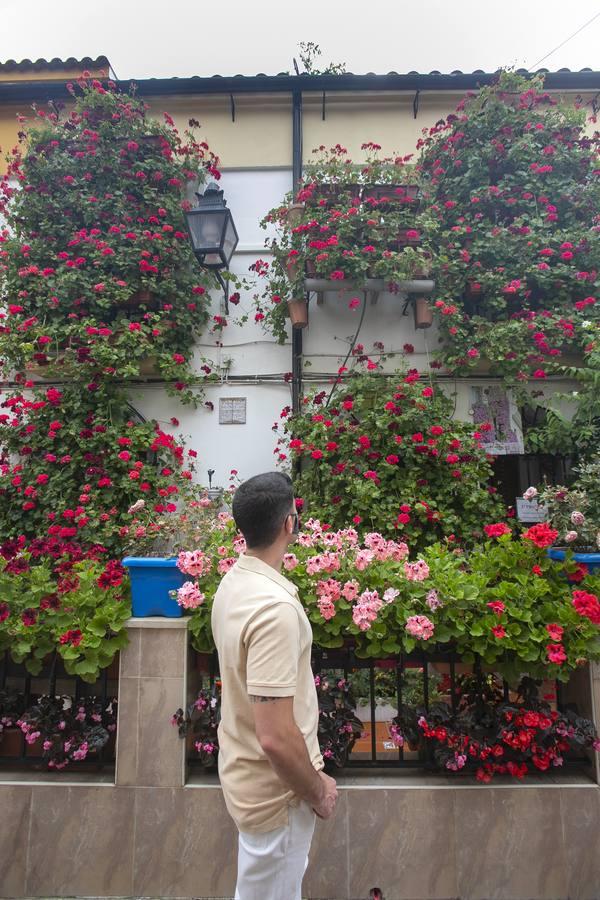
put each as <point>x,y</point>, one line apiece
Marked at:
<point>296,177</point>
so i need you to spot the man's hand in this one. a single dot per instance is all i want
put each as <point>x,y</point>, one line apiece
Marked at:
<point>326,806</point>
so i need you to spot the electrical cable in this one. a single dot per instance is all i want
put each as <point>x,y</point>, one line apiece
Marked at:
<point>566,41</point>
<point>351,348</point>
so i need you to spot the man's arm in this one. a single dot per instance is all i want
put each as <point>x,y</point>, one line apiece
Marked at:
<point>285,748</point>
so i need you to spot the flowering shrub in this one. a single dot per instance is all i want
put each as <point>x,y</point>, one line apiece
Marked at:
<point>510,181</point>
<point>95,263</point>
<point>72,466</point>
<point>505,602</point>
<point>56,597</point>
<point>496,737</point>
<point>575,512</point>
<point>348,223</point>
<point>384,453</point>
<point>68,728</point>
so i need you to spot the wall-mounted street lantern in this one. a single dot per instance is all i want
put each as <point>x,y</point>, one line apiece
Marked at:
<point>212,232</point>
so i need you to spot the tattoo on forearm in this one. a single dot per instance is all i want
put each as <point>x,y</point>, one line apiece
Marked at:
<point>256,698</point>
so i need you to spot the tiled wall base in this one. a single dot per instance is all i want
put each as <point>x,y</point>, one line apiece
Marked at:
<point>471,843</point>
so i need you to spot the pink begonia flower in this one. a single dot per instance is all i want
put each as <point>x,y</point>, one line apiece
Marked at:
<point>433,601</point>
<point>363,559</point>
<point>290,561</point>
<point>571,536</point>
<point>530,493</point>
<point>350,590</point>
<point>330,588</point>
<point>326,608</point>
<point>417,571</point>
<point>390,595</point>
<point>577,518</point>
<point>420,627</point>
<point>190,596</point>
<point>193,562</point>
<point>226,564</point>
<point>239,545</point>
<point>365,611</point>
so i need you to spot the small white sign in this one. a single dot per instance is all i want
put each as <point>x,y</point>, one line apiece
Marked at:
<point>232,411</point>
<point>531,511</point>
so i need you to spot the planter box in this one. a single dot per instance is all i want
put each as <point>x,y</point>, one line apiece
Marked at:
<point>151,580</point>
<point>11,743</point>
<point>591,560</point>
<point>384,712</point>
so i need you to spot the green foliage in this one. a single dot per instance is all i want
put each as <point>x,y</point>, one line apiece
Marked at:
<point>78,609</point>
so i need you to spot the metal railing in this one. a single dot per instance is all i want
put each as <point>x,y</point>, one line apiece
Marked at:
<point>382,687</point>
<point>53,681</point>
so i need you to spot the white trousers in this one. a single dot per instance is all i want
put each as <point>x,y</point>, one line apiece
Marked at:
<point>271,866</point>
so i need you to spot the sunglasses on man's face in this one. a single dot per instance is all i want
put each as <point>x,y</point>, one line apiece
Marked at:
<point>296,519</point>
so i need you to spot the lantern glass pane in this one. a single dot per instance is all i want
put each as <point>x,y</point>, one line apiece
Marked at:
<point>230,240</point>
<point>206,228</point>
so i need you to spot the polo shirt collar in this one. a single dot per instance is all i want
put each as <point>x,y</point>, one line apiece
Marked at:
<point>253,564</point>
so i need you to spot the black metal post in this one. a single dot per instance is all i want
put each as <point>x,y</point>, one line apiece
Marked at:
<point>296,179</point>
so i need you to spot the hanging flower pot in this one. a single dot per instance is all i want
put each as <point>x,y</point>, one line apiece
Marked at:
<point>409,237</point>
<point>423,313</point>
<point>143,297</point>
<point>298,310</point>
<point>474,289</point>
<point>149,367</point>
<point>293,214</point>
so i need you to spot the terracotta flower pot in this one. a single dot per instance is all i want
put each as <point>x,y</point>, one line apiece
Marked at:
<point>149,367</point>
<point>423,313</point>
<point>399,193</point>
<point>406,237</point>
<point>11,742</point>
<point>143,296</point>
<point>298,310</point>
<point>293,214</point>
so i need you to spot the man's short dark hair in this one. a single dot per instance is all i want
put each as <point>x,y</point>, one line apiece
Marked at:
<point>260,506</point>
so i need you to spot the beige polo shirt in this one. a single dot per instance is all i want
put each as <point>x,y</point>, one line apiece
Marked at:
<point>264,640</point>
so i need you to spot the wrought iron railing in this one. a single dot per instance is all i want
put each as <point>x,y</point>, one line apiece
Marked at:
<point>382,687</point>
<point>52,681</point>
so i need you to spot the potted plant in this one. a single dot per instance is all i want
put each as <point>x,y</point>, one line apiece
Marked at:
<point>199,724</point>
<point>63,729</point>
<point>491,736</point>
<point>12,706</point>
<point>574,514</point>
<point>339,726</point>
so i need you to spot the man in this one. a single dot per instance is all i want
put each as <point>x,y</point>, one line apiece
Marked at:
<point>269,759</point>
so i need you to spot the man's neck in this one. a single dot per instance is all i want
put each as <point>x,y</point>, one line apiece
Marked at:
<point>272,556</point>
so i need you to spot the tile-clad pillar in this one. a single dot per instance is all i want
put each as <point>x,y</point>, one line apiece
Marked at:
<point>594,675</point>
<point>152,685</point>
